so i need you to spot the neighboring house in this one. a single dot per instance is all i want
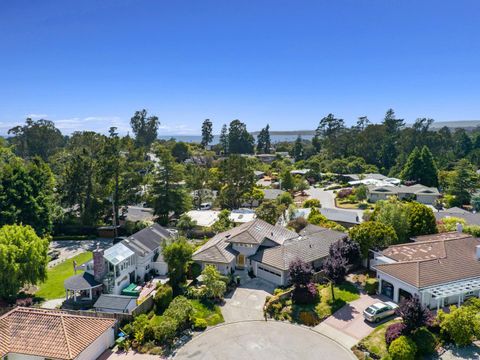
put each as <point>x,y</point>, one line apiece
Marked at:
<point>265,249</point>
<point>301,172</point>
<point>136,213</point>
<point>206,218</point>
<point>241,216</point>
<point>469,217</point>
<point>203,218</point>
<point>272,194</point>
<point>115,303</point>
<point>422,194</point>
<point>36,334</point>
<point>441,269</point>
<point>266,158</point>
<point>356,177</point>
<point>346,218</point>
<point>122,264</point>
<point>259,174</point>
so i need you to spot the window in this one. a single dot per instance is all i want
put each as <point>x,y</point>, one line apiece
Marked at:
<point>147,267</point>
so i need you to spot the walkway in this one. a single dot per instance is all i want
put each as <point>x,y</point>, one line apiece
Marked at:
<point>259,340</point>
<point>347,325</point>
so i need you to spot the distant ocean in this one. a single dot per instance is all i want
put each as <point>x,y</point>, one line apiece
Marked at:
<point>198,138</point>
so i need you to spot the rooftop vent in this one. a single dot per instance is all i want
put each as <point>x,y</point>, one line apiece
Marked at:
<point>477,253</point>
<point>459,227</point>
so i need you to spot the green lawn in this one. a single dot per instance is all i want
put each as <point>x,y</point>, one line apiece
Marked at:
<point>375,342</point>
<point>208,311</point>
<point>53,287</point>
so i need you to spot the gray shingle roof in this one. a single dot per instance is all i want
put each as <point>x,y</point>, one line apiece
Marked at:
<point>470,218</point>
<point>312,246</point>
<point>147,240</point>
<point>272,194</point>
<point>218,249</point>
<point>113,302</point>
<point>81,282</point>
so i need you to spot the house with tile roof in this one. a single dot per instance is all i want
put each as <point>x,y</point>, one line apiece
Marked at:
<point>266,249</point>
<point>441,269</point>
<point>35,334</point>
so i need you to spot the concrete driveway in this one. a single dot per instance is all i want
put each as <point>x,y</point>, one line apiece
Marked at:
<point>347,325</point>
<point>326,197</point>
<point>262,340</point>
<point>246,301</point>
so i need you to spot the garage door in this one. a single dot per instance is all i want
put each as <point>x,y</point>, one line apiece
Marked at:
<point>269,275</point>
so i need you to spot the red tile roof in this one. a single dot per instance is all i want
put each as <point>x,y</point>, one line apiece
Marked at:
<point>49,333</point>
<point>433,262</point>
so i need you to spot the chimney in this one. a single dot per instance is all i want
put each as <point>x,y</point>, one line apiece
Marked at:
<point>477,248</point>
<point>459,227</point>
<point>99,268</point>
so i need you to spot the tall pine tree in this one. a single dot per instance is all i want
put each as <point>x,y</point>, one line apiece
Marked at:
<point>207,135</point>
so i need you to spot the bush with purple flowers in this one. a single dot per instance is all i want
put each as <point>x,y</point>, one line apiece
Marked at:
<point>393,332</point>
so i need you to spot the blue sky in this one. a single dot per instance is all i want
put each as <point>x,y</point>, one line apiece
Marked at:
<point>91,64</point>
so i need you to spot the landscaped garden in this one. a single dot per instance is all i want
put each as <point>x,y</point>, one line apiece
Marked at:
<point>282,307</point>
<point>352,198</point>
<point>53,288</point>
<point>309,303</point>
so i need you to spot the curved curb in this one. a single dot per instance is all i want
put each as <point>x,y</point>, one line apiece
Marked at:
<point>344,348</point>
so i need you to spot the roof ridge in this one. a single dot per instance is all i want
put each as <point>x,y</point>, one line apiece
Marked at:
<point>53,312</point>
<point>66,337</point>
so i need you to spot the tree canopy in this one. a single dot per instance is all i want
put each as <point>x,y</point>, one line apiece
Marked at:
<point>23,259</point>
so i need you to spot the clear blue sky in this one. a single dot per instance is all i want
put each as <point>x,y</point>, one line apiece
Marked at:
<point>91,64</point>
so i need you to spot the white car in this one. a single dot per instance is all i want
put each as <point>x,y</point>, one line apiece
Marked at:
<point>379,311</point>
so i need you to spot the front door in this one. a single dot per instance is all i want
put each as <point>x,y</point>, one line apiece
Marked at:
<point>241,260</point>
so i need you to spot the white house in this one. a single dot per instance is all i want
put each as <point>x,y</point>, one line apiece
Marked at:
<point>441,269</point>
<point>39,334</point>
<point>124,263</point>
<point>422,194</point>
<point>265,249</point>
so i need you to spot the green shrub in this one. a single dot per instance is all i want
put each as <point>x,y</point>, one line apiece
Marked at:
<point>371,286</point>
<point>425,341</point>
<point>180,310</point>
<point>200,324</point>
<point>461,325</point>
<point>195,270</point>
<point>311,203</point>
<point>165,330</point>
<point>163,298</point>
<point>309,318</point>
<point>472,230</point>
<point>402,348</point>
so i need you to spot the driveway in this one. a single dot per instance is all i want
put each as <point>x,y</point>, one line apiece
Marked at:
<point>347,325</point>
<point>260,340</point>
<point>326,197</point>
<point>246,301</point>
<point>71,248</point>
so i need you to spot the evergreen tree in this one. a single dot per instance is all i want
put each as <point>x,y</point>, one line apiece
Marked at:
<point>224,139</point>
<point>263,141</point>
<point>412,171</point>
<point>26,192</point>
<point>207,136</point>
<point>429,175</point>
<point>462,183</point>
<point>288,182</point>
<point>298,149</point>
<point>240,141</point>
<point>169,195</point>
<point>237,176</point>
<point>145,128</point>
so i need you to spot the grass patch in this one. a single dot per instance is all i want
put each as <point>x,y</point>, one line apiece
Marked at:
<point>53,287</point>
<point>375,342</point>
<point>344,293</point>
<point>208,311</point>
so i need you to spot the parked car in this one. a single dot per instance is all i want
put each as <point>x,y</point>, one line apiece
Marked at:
<point>379,311</point>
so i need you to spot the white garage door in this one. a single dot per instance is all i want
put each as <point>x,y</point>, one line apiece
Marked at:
<point>161,267</point>
<point>269,274</point>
